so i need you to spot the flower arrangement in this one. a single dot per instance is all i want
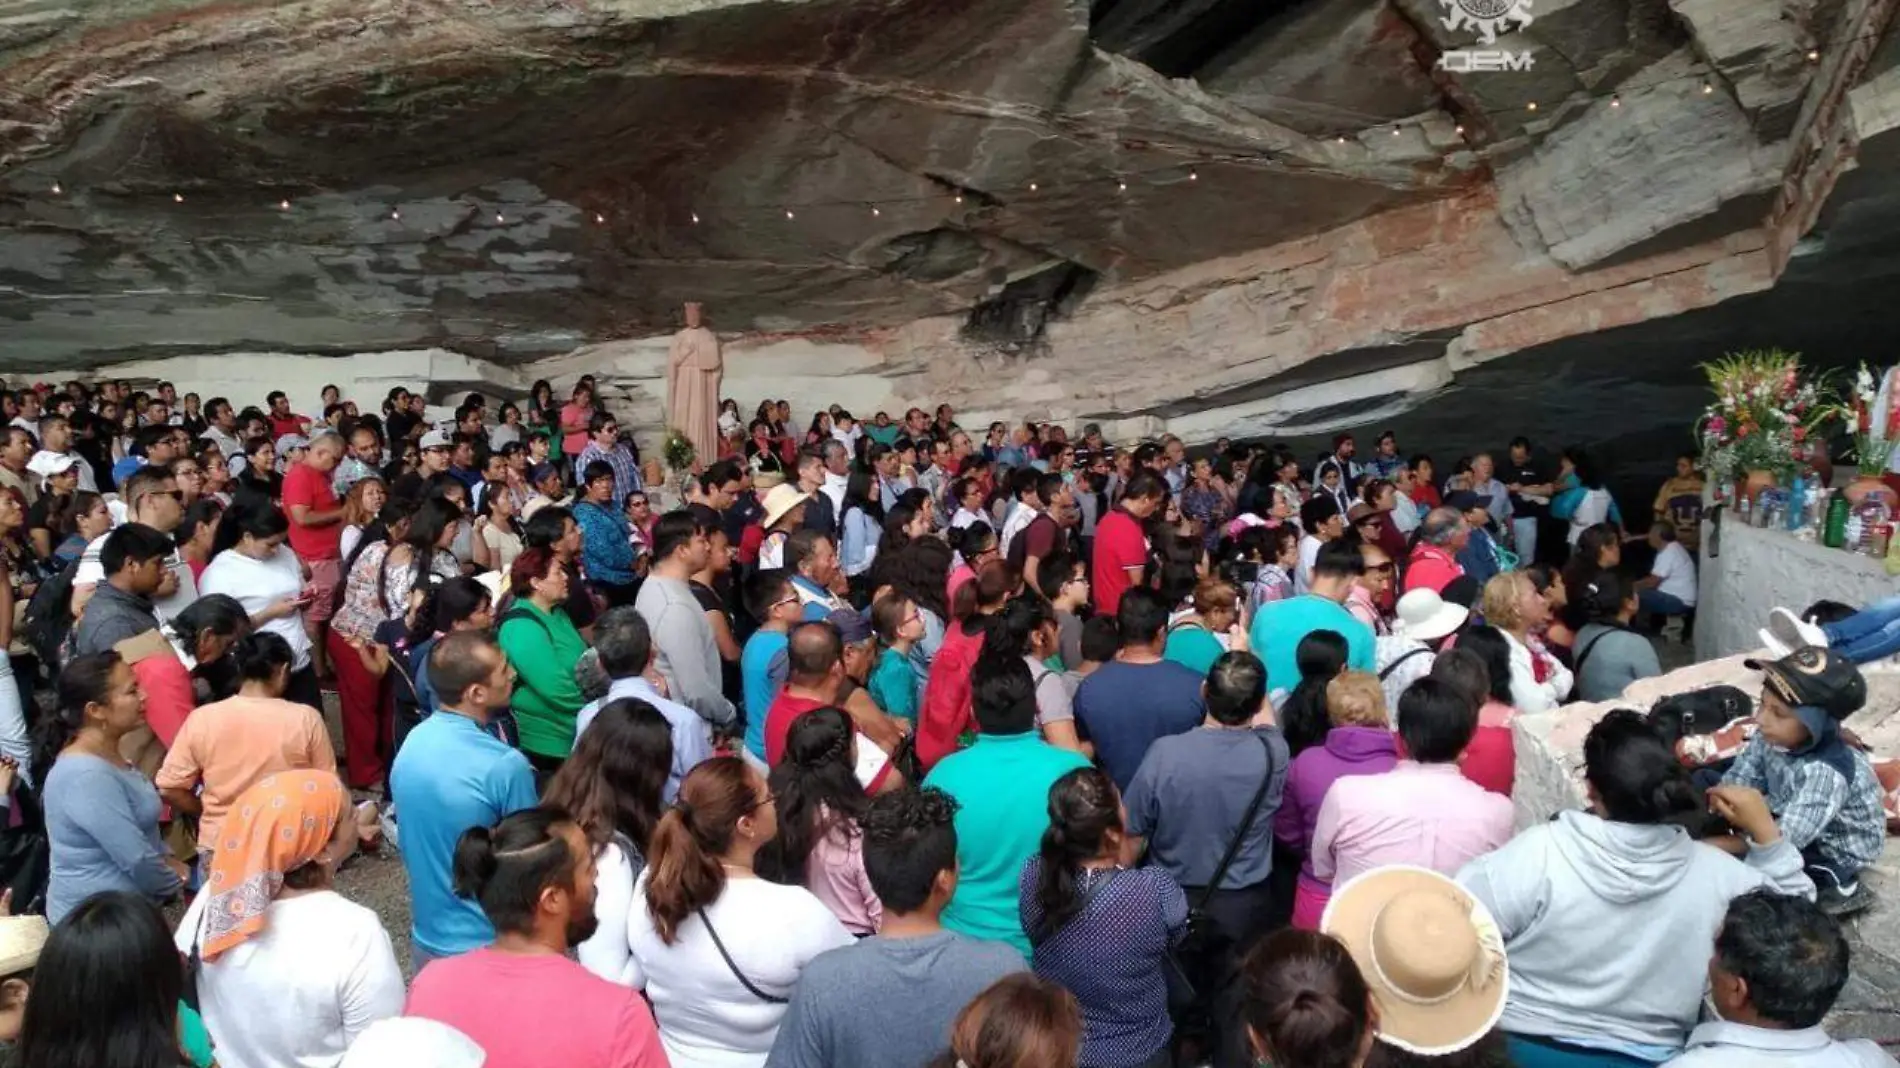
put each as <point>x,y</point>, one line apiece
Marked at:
<point>677,450</point>
<point>1761,417</point>
<point>1869,410</point>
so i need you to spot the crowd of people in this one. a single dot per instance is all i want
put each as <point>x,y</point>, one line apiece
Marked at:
<point>875,744</point>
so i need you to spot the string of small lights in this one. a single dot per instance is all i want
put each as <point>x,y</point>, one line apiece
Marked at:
<point>1301,157</point>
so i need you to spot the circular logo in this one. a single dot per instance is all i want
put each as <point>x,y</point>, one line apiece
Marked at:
<point>1486,9</point>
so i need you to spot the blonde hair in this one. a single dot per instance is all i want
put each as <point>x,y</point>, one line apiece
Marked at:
<point>1213,594</point>
<point>1355,699</point>
<point>1502,596</point>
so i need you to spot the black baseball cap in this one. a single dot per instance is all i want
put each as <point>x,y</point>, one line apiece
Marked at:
<point>1815,677</point>
<point>1464,501</point>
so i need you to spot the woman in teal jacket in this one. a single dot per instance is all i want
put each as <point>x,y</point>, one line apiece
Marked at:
<point>543,646</point>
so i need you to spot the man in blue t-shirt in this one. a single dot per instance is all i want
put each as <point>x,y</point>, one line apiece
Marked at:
<point>452,775</point>
<point>1137,697</point>
<point>1279,626</point>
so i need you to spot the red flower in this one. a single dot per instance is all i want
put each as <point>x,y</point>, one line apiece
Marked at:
<point>1800,433</point>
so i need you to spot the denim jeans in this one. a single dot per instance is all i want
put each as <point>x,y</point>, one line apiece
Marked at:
<point>1524,532</point>
<point>1657,603</point>
<point>1872,633</point>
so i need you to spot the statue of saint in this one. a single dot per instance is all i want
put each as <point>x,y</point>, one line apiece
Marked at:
<point>693,370</point>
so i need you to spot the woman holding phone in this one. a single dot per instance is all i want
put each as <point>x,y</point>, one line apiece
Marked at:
<point>250,562</point>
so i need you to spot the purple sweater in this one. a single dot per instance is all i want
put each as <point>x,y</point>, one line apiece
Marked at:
<point>1347,751</point>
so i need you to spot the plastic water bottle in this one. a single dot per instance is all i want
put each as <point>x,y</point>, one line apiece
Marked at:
<point>1797,502</point>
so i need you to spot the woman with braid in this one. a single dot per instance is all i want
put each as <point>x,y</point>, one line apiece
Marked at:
<point>819,804</point>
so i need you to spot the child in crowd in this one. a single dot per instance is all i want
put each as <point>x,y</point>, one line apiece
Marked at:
<point>763,666</point>
<point>1821,790</point>
<point>893,684</point>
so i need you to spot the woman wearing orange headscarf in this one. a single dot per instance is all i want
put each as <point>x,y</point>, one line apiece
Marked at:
<point>292,972</point>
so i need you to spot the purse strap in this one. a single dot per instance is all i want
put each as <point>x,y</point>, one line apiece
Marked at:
<point>733,966</point>
<point>1240,834</point>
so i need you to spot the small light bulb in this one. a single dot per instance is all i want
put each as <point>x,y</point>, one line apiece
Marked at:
<point>283,205</point>
<point>1194,176</point>
<point>395,213</point>
<point>599,218</point>
<point>875,213</point>
<point>1814,55</point>
<point>57,190</point>
<point>178,198</point>
<point>1708,88</point>
<point>1532,106</point>
<point>1616,101</point>
<point>695,218</point>
<point>1342,139</point>
<point>1395,131</point>
<point>499,219</point>
<point>958,198</point>
<point>1032,187</point>
<point>1121,187</point>
<point>789,215</point>
<point>1459,130</point>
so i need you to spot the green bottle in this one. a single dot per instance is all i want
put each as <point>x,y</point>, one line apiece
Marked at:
<point>1835,534</point>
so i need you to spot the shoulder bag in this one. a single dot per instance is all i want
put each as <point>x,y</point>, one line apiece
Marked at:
<point>1192,960</point>
<point>733,965</point>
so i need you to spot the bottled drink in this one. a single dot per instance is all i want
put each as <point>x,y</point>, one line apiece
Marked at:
<point>1835,533</point>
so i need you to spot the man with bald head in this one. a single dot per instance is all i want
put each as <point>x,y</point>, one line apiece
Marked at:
<point>816,679</point>
<point>1442,535</point>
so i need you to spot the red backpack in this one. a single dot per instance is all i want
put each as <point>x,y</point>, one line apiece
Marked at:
<point>946,712</point>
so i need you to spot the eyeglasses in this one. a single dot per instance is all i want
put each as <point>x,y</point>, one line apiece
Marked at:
<point>788,599</point>
<point>762,802</point>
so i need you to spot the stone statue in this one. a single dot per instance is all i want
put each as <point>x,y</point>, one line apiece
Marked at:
<point>693,370</point>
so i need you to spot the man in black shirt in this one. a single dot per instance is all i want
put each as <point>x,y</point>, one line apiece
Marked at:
<point>1531,490</point>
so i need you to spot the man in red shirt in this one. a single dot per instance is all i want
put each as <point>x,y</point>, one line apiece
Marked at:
<point>316,535</point>
<point>1121,547</point>
<point>1442,534</point>
<point>521,999</point>
<point>283,421</point>
<point>815,679</point>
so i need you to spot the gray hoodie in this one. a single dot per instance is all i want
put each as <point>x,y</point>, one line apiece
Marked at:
<point>1609,926</point>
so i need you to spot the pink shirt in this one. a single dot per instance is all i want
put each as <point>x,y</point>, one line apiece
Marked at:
<point>1431,568</point>
<point>834,873</point>
<point>537,1011</point>
<point>1424,814</point>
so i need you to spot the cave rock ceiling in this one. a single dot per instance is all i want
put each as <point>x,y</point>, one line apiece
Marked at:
<point>519,177</point>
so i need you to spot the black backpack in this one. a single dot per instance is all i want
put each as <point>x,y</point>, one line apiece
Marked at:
<point>49,618</point>
<point>1699,712</point>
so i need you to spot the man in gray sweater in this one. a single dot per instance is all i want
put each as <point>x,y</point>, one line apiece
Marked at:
<point>686,654</point>
<point>918,974</point>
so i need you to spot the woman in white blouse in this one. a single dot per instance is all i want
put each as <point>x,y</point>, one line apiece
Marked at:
<point>614,786</point>
<point>251,563</point>
<point>718,949</point>
<point>1513,605</point>
<point>292,972</point>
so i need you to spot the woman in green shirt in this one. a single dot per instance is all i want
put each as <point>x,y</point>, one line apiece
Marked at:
<point>543,645</point>
<point>1199,639</point>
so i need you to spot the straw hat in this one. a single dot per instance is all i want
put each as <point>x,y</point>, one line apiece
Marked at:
<point>1431,953</point>
<point>21,939</point>
<point>1425,616</point>
<point>781,500</point>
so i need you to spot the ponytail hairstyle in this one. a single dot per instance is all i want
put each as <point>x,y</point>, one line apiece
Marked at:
<point>505,868</point>
<point>445,603</point>
<point>994,583</point>
<point>1012,630</point>
<point>85,681</point>
<point>64,513</point>
<point>817,791</point>
<point>684,874</point>
<point>248,515</point>
<point>1321,656</point>
<point>1306,1001</point>
<point>1603,597</point>
<point>218,615</point>
<point>1084,809</point>
<point>260,653</point>
<point>1636,775</point>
